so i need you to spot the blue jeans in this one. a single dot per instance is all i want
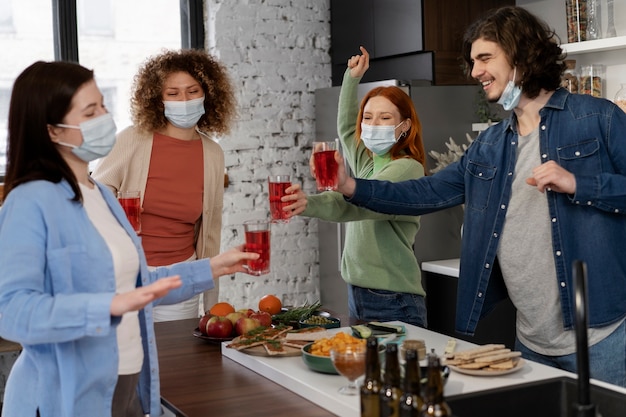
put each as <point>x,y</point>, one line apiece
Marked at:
<point>607,358</point>
<point>380,305</point>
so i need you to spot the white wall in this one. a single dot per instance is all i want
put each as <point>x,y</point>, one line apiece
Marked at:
<point>277,52</point>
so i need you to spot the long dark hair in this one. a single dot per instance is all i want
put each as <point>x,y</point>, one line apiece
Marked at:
<point>411,144</point>
<point>529,43</point>
<point>42,95</point>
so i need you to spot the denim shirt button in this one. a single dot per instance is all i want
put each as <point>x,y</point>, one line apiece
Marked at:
<point>554,220</point>
<point>616,211</point>
<point>544,156</point>
<point>558,253</point>
<point>543,127</point>
<point>503,206</point>
<point>495,235</point>
<point>589,203</point>
<point>562,284</point>
<point>480,295</point>
<point>510,173</point>
<point>487,266</point>
<point>577,153</point>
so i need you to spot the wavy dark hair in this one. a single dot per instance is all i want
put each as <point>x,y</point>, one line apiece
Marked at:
<point>528,42</point>
<point>147,107</point>
<point>42,95</point>
<point>411,144</point>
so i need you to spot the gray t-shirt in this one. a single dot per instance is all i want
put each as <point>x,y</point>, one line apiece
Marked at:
<point>527,262</point>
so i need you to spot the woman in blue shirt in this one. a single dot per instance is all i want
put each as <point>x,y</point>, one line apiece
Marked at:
<point>75,290</point>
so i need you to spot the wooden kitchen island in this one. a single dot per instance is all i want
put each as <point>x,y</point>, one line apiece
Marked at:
<point>198,380</point>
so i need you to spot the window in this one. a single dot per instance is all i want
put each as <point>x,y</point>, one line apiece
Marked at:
<point>114,38</point>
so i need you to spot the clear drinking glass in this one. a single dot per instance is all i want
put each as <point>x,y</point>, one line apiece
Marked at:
<point>131,203</point>
<point>258,240</point>
<point>326,167</point>
<point>277,184</point>
<point>349,361</point>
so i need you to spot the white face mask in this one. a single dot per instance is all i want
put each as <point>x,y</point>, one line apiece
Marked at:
<point>379,139</point>
<point>511,95</point>
<point>98,137</point>
<point>184,114</point>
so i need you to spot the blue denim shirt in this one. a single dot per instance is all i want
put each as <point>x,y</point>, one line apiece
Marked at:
<point>57,283</point>
<point>586,136</point>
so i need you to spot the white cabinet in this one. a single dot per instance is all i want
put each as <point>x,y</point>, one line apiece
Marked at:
<point>608,51</point>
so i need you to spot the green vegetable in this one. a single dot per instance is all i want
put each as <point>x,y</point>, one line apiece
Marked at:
<point>362,331</point>
<point>297,313</point>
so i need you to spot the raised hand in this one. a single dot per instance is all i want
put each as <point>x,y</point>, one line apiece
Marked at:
<point>359,64</point>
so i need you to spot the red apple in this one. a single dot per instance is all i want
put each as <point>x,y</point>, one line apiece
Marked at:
<point>219,327</point>
<point>202,323</point>
<point>246,311</point>
<point>264,318</point>
<point>246,324</point>
<point>233,317</point>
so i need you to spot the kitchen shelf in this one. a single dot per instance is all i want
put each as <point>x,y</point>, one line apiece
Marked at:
<point>597,45</point>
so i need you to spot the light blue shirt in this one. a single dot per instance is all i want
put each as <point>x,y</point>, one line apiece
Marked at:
<point>56,286</point>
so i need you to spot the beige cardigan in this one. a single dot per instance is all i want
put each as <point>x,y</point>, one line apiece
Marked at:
<point>126,168</point>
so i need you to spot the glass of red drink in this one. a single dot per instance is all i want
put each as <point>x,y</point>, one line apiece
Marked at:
<point>258,240</point>
<point>349,361</point>
<point>131,203</point>
<point>277,186</point>
<point>325,165</point>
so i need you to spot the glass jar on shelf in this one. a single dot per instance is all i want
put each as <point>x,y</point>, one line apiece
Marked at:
<point>594,27</point>
<point>592,78</point>
<point>620,97</point>
<point>569,80</point>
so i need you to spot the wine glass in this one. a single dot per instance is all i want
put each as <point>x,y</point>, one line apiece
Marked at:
<point>349,361</point>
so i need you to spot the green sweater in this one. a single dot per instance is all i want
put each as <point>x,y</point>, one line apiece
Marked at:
<point>378,250</point>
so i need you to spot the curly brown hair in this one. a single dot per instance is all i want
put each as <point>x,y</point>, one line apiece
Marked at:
<point>147,107</point>
<point>529,43</point>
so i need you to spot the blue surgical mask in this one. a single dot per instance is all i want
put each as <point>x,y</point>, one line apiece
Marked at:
<point>98,137</point>
<point>511,94</point>
<point>184,114</point>
<point>379,139</point>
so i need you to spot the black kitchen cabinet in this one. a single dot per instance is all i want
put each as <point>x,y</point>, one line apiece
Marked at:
<point>404,30</point>
<point>497,327</point>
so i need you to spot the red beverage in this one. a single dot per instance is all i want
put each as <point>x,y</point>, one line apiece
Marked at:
<point>258,241</point>
<point>276,191</point>
<point>325,170</point>
<point>132,207</point>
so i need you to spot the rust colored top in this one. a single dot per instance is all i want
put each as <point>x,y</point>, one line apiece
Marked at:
<point>172,202</point>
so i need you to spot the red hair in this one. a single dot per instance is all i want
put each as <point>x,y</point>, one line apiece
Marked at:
<point>411,143</point>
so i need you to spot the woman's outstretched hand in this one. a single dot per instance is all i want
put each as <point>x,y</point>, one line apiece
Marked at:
<point>231,261</point>
<point>139,297</point>
<point>297,199</point>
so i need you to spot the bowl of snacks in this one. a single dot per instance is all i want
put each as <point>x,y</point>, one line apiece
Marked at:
<point>320,319</point>
<point>316,355</point>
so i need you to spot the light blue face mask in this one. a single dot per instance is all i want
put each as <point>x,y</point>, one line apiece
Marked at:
<point>98,137</point>
<point>184,114</point>
<point>379,139</point>
<point>511,95</point>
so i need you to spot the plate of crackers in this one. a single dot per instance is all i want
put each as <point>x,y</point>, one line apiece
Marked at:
<point>486,360</point>
<point>280,340</point>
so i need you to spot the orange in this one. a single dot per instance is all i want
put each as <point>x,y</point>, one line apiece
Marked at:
<point>221,309</point>
<point>271,304</point>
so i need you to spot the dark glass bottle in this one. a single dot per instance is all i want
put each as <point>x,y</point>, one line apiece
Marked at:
<point>390,390</point>
<point>434,403</point>
<point>411,401</point>
<point>370,402</point>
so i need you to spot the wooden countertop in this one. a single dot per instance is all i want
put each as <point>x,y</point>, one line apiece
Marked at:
<point>197,379</point>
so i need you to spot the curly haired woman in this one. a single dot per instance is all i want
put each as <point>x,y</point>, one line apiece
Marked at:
<point>181,101</point>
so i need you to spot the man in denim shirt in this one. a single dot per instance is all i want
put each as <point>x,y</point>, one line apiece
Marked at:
<point>542,189</point>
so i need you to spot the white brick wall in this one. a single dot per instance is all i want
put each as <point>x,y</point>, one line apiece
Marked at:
<point>278,54</point>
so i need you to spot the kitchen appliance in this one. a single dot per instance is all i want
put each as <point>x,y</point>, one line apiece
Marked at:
<point>444,111</point>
